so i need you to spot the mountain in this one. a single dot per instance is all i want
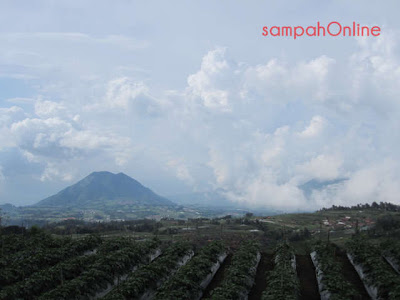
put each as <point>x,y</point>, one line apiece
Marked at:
<point>314,184</point>
<point>105,189</point>
<point>7,207</point>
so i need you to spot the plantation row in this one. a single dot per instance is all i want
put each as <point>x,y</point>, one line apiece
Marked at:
<point>120,268</point>
<point>282,282</point>
<point>380,279</point>
<point>86,266</point>
<point>108,268</point>
<point>45,253</point>
<point>173,276</point>
<point>331,283</point>
<point>240,275</point>
<point>147,278</point>
<point>192,278</point>
<point>369,266</point>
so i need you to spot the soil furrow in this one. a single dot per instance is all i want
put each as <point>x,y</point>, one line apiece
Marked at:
<point>265,265</point>
<point>308,280</point>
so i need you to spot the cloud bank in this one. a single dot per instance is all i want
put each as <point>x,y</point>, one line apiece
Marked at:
<point>255,132</point>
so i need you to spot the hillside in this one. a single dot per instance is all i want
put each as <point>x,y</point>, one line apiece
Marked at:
<point>105,189</point>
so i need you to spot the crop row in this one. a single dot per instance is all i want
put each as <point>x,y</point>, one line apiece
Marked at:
<point>191,279</point>
<point>282,281</point>
<point>18,248</point>
<point>331,283</point>
<point>47,279</point>
<point>12,244</point>
<point>28,262</point>
<point>240,275</point>
<point>391,253</point>
<point>104,271</point>
<point>147,278</point>
<point>379,278</point>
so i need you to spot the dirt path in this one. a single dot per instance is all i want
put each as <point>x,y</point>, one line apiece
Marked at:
<point>350,274</point>
<point>266,264</point>
<point>308,281</point>
<point>218,277</point>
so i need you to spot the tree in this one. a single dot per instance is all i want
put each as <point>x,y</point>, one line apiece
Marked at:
<point>248,215</point>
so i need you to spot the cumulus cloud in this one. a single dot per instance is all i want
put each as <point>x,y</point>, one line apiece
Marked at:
<point>7,117</point>
<point>42,136</point>
<point>55,142</point>
<point>267,169</point>
<point>45,108</point>
<point>53,172</point>
<point>132,97</point>
<point>10,114</point>
<point>258,132</point>
<point>212,81</point>
<point>376,182</point>
<point>323,167</point>
<point>276,81</point>
<point>315,127</point>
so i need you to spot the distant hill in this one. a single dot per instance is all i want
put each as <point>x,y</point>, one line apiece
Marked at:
<point>105,189</point>
<point>7,207</point>
<point>316,185</point>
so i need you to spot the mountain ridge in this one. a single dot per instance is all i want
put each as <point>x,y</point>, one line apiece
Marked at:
<point>104,188</point>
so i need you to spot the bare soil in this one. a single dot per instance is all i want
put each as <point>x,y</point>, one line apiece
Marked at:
<point>308,280</point>
<point>266,264</point>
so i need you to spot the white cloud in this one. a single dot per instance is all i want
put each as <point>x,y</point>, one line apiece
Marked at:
<point>376,73</point>
<point>376,182</point>
<point>132,97</point>
<point>276,81</point>
<point>44,108</point>
<point>266,192</point>
<point>181,170</point>
<point>41,136</point>
<point>10,114</point>
<point>121,91</point>
<point>53,172</point>
<point>209,82</point>
<point>221,168</point>
<point>312,77</point>
<point>315,127</point>
<point>7,117</point>
<point>323,167</point>
<point>258,132</point>
<point>54,142</point>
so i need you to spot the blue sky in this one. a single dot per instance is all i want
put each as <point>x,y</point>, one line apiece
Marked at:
<point>189,96</point>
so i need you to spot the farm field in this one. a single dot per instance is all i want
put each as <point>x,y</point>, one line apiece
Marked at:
<point>38,265</point>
